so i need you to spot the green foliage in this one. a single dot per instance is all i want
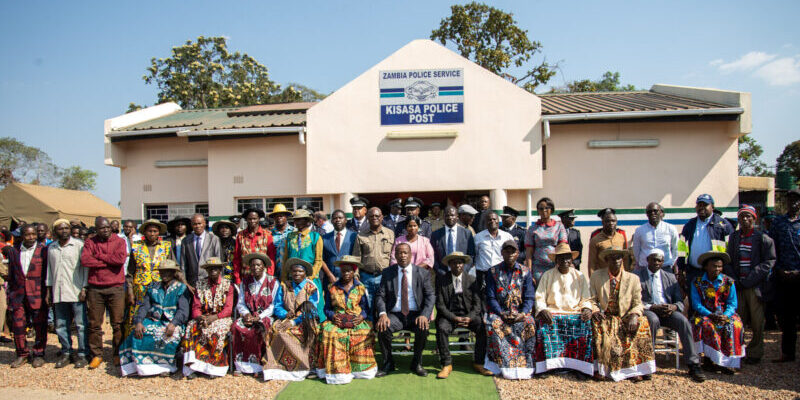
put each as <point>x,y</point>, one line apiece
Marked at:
<point>307,93</point>
<point>610,82</point>
<point>492,39</point>
<point>750,163</point>
<point>77,178</point>
<point>790,159</point>
<point>133,107</point>
<point>204,74</point>
<point>27,164</point>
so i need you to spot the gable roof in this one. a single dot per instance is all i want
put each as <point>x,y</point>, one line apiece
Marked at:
<point>603,102</point>
<point>46,204</point>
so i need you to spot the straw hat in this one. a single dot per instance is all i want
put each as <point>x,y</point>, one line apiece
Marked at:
<point>162,227</point>
<point>219,224</point>
<point>213,262</point>
<point>612,250</point>
<point>726,259</point>
<point>456,255</point>
<point>302,214</point>
<point>350,260</point>
<point>297,261</point>
<point>261,256</point>
<point>169,265</point>
<point>280,209</point>
<point>562,248</point>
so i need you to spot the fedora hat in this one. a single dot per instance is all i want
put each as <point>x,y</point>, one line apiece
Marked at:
<point>726,259</point>
<point>350,260</point>
<point>456,255</point>
<point>169,264</point>
<point>297,261</point>
<point>175,221</point>
<point>612,250</point>
<point>261,256</point>
<point>219,224</point>
<point>212,262</point>
<point>162,227</point>
<point>280,209</point>
<point>562,248</point>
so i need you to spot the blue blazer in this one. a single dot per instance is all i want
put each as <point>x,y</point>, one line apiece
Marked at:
<point>464,244</point>
<point>329,253</point>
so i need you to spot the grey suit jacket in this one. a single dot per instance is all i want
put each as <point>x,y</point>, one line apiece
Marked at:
<point>670,288</point>
<point>190,262</point>
<point>762,259</point>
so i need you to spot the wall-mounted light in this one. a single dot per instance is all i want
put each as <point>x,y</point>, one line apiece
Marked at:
<point>181,163</point>
<point>422,135</point>
<point>609,144</point>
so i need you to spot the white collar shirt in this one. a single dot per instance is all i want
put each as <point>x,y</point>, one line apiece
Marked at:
<point>412,303</point>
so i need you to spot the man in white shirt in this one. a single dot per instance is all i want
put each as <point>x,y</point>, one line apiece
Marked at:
<point>663,306</point>
<point>488,244</point>
<point>655,234</point>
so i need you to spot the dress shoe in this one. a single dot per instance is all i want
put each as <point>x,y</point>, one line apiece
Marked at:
<point>20,361</point>
<point>37,362</point>
<point>80,362</point>
<point>387,369</point>
<point>96,361</point>
<point>647,377</point>
<point>417,369</point>
<point>696,373</point>
<point>483,371</point>
<point>445,372</point>
<point>62,361</point>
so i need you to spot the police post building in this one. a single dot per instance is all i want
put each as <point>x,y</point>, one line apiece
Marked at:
<point>429,123</point>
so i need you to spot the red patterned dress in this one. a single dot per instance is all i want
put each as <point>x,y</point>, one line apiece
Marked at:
<point>249,343</point>
<point>205,347</point>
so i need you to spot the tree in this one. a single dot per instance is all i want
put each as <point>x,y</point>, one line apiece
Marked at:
<point>790,159</point>
<point>22,163</point>
<point>307,93</point>
<point>610,82</point>
<point>133,107</point>
<point>204,74</point>
<point>492,39</point>
<point>77,178</point>
<point>750,163</point>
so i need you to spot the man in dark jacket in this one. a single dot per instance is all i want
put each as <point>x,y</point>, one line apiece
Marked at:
<point>573,235</point>
<point>785,231</point>
<point>752,258</point>
<point>705,232</point>
<point>509,219</point>
<point>458,305</point>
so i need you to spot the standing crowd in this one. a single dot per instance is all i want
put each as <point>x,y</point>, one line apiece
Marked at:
<point>310,298</point>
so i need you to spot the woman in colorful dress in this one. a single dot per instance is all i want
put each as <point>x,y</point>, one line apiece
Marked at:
<point>226,232</point>
<point>718,330</point>
<point>306,245</point>
<point>158,326</point>
<point>206,336</point>
<point>623,347</point>
<point>147,255</point>
<point>255,309</point>
<point>564,305</point>
<point>510,329</point>
<point>542,238</point>
<point>346,340</point>
<point>292,343</point>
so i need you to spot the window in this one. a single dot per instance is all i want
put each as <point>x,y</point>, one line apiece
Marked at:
<point>181,210</point>
<point>244,204</point>
<point>159,212</point>
<point>286,201</point>
<point>544,157</point>
<point>201,209</point>
<point>312,202</point>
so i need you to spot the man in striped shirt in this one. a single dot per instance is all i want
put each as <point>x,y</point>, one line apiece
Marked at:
<point>752,256</point>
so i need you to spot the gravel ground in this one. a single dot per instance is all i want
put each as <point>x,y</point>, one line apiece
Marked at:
<point>106,381</point>
<point>765,381</point>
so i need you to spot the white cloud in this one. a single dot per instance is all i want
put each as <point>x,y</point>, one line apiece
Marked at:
<point>781,72</point>
<point>747,62</point>
<point>716,62</point>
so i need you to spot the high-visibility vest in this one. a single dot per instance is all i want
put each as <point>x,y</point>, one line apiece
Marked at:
<point>683,246</point>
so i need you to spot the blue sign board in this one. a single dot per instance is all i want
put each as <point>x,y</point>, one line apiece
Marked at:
<point>430,96</point>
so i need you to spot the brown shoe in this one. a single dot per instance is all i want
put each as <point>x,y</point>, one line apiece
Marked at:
<point>483,371</point>
<point>37,362</point>
<point>445,372</point>
<point>20,361</point>
<point>96,361</point>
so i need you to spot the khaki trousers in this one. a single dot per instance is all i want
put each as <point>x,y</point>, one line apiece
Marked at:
<point>751,311</point>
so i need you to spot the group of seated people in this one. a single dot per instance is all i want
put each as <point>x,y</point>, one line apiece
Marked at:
<point>602,328</point>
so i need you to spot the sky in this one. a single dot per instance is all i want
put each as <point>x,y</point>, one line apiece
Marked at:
<point>68,66</point>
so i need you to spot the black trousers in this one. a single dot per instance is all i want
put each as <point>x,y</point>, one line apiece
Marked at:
<point>399,322</point>
<point>678,323</point>
<point>443,330</point>
<point>788,313</point>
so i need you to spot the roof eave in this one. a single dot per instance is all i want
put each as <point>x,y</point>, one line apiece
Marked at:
<point>616,115</point>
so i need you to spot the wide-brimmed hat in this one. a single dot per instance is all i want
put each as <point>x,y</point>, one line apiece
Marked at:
<point>162,227</point>
<point>177,220</point>
<point>456,255</point>
<point>261,256</point>
<point>280,209</point>
<point>349,260</point>
<point>726,259</point>
<point>219,224</point>
<point>212,262</point>
<point>562,248</point>
<point>297,261</point>
<point>612,250</point>
<point>258,211</point>
<point>169,264</point>
<point>302,214</point>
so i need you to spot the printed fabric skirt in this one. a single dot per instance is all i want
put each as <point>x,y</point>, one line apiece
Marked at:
<point>152,354</point>
<point>722,343</point>
<point>204,348</point>
<point>289,357</point>
<point>139,291</point>
<point>510,348</point>
<point>619,354</point>
<point>344,354</point>
<point>248,345</point>
<point>566,343</point>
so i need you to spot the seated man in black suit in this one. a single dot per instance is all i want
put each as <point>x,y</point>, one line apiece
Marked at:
<point>663,305</point>
<point>404,301</point>
<point>458,305</point>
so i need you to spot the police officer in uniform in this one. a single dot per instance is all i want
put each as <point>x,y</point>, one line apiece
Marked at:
<point>573,235</point>
<point>359,222</point>
<point>413,206</point>
<point>390,221</point>
<point>509,219</point>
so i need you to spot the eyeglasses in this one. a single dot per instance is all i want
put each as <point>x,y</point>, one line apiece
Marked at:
<point>656,211</point>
